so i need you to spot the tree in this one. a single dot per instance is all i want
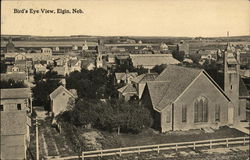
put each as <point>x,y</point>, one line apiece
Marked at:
<point>112,115</point>
<point>159,68</point>
<point>44,85</point>
<point>179,55</point>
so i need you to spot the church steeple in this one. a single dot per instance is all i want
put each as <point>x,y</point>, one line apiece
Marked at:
<point>232,76</point>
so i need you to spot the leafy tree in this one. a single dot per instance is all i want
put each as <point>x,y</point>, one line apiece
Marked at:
<point>179,55</point>
<point>159,68</point>
<point>44,85</point>
<point>92,84</point>
<point>113,115</point>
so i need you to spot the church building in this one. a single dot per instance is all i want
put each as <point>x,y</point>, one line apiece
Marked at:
<point>182,98</point>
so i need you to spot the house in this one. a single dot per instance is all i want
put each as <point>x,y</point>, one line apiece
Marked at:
<point>74,65</point>
<point>20,56</point>
<point>186,98</point>
<point>148,61</point>
<point>60,98</point>
<point>127,91</point>
<point>10,47</point>
<point>125,77</point>
<point>15,123</point>
<point>88,64</point>
<point>183,47</point>
<point>85,46</point>
<point>21,77</point>
<point>141,80</point>
<point>47,51</point>
<point>40,68</point>
<point>61,70</point>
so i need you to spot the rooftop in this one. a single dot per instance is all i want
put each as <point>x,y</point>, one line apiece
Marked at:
<point>15,93</point>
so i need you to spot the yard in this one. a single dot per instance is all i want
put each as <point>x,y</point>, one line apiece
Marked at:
<point>150,137</point>
<point>52,143</point>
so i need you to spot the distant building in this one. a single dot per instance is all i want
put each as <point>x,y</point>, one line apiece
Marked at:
<point>74,65</point>
<point>88,64</point>
<point>141,80</point>
<point>15,123</point>
<point>40,68</point>
<point>163,47</point>
<point>85,46</point>
<point>47,51</point>
<point>10,47</point>
<point>148,61</point>
<point>20,56</point>
<point>125,77</point>
<point>60,98</point>
<point>74,47</point>
<point>126,92</point>
<point>183,47</point>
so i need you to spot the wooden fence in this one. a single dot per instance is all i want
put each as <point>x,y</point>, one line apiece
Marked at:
<point>160,147</point>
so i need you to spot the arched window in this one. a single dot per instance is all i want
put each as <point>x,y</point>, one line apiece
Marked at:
<point>201,109</point>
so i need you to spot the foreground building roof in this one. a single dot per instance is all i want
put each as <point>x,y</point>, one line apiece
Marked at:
<point>15,93</point>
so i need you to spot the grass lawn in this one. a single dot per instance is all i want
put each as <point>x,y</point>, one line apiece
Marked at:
<point>150,137</point>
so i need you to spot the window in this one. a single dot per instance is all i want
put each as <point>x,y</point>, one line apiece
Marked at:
<point>168,117</point>
<point>239,110</point>
<point>19,107</point>
<point>1,107</point>
<point>184,113</point>
<point>217,113</point>
<point>201,110</point>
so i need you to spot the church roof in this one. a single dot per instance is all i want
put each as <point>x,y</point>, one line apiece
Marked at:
<point>171,83</point>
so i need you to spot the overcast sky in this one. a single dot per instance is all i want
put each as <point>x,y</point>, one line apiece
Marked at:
<point>130,18</point>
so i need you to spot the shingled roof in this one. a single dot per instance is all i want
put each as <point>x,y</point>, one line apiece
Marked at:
<point>129,88</point>
<point>15,93</point>
<point>13,123</point>
<point>151,60</point>
<point>145,77</point>
<point>59,90</point>
<point>172,82</point>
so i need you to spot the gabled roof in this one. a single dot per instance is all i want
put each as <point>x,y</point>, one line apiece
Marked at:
<point>129,88</point>
<point>145,77</point>
<point>13,123</point>
<point>86,62</point>
<point>59,69</point>
<point>171,83</point>
<point>73,62</point>
<point>152,59</point>
<point>122,76</point>
<point>14,76</point>
<point>59,90</point>
<point>15,93</point>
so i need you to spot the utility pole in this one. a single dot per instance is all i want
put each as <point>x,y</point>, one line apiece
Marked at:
<point>37,143</point>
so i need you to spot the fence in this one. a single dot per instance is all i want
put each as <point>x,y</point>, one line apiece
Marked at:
<point>161,147</point>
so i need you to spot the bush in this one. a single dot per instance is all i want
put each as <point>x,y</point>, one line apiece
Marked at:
<point>110,116</point>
